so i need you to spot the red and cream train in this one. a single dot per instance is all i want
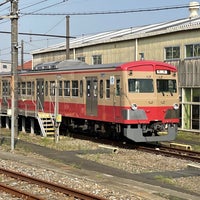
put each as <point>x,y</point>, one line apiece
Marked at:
<point>138,100</point>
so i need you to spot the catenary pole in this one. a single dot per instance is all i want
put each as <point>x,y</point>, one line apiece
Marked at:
<point>67,37</point>
<point>14,76</point>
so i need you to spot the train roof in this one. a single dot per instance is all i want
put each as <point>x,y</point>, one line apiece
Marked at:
<point>71,65</point>
<point>79,65</point>
<point>68,65</point>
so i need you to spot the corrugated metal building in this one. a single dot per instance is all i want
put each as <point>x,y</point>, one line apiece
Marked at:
<point>176,42</point>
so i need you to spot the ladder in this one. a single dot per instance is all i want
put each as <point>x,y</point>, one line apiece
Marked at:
<point>46,124</point>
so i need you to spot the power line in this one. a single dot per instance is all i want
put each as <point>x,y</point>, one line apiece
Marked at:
<point>55,25</point>
<point>38,34</point>
<point>34,4</point>
<point>1,4</point>
<point>112,12</point>
<point>52,5</point>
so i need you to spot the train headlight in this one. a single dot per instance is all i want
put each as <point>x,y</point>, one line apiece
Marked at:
<point>176,106</point>
<point>134,106</point>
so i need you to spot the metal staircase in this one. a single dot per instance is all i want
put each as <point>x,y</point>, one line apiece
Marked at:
<point>46,123</point>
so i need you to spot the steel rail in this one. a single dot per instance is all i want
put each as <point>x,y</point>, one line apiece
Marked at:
<point>179,153</point>
<point>55,187</point>
<point>18,193</point>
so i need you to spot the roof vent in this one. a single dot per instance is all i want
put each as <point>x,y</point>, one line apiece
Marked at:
<point>194,8</point>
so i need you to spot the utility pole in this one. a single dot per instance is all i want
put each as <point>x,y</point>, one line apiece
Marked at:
<point>22,54</point>
<point>14,76</point>
<point>67,37</point>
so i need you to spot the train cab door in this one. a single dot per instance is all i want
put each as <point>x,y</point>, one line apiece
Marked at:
<point>91,96</point>
<point>40,94</point>
<point>117,97</point>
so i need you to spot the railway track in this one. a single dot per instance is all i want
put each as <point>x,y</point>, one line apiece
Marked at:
<point>169,151</point>
<point>71,193</point>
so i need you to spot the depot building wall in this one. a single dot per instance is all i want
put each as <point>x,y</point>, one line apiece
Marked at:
<point>152,47</point>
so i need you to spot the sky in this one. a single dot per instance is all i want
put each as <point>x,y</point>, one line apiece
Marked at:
<point>48,17</point>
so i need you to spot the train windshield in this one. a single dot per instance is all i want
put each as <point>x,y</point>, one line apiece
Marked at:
<point>140,85</point>
<point>166,86</point>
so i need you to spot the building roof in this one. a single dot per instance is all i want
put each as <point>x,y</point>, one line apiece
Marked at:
<point>26,66</point>
<point>127,34</point>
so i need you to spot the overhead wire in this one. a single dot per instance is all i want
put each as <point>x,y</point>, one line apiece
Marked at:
<point>49,6</point>
<point>111,12</point>
<point>55,25</point>
<point>34,4</point>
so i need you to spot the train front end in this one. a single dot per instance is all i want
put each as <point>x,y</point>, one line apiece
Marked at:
<point>151,113</point>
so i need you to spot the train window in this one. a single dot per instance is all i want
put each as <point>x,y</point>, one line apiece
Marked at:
<point>19,88</point>
<point>60,88</point>
<point>66,88</point>
<point>81,88</point>
<point>108,88</point>
<point>101,89</point>
<point>6,88</point>
<point>95,90</point>
<point>88,88</point>
<point>23,88</point>
<point>164,85</point>
<point>52,88</point>
<point>74,88</point>
<point>140,85</point>
<point>28,88</point>
<point>46,88</point>
<point>33,87</point>
<point>117,87</point>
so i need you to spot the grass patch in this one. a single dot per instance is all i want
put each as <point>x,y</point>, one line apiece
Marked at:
<point>194,138</point>
<point>65,143</point>
<point>169,197</point>
<point>164,179</point>
<point>183,135</point>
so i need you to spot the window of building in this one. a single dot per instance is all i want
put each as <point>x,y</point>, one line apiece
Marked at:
<point>66,88</point>
<point>5,66</point>
<point>96,59</point>
<point>191,109</point>
<point>172,53</point>
<point>81,58</point>
<point>192,50</point>
<point>74,88</point>
<point>107,88</point>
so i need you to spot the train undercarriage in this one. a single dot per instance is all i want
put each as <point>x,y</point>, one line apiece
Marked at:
<point>153,132</point>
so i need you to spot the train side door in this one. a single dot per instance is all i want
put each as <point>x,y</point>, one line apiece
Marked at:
<point>117,98</point>
<point>91,96</point>
<point>40,94</point>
